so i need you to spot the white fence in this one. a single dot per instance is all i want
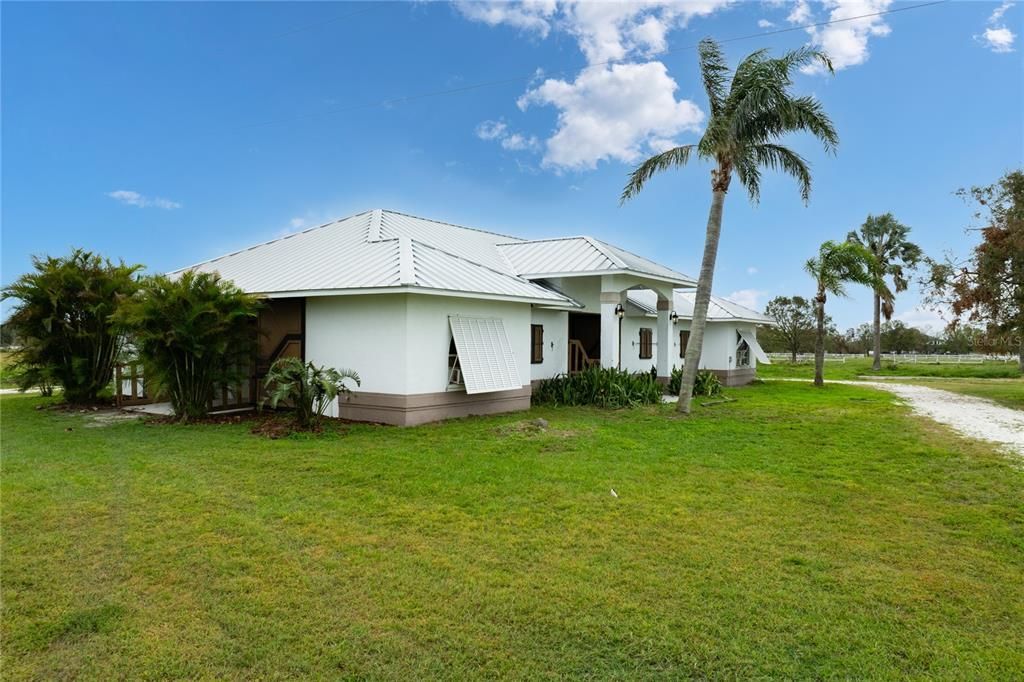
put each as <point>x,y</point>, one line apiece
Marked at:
<point>902,358</point>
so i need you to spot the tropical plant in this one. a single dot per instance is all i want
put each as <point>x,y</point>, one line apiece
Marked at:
<point>194,334</point>
<point>836,265</point>
<point>63,322</point>
<point>886,239</point>
<point>748,117</point>
<point>309,389</point>
<point>988,287</point>
<point>600,386</point>
<point>706,384</point>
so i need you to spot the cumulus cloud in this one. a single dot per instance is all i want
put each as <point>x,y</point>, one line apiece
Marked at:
<point>997,37</point>
<point>846,43</point>
<point>296,223</point>
<point>131,198</point>
<point>619,112</point>
<point>530,15</point>
<point>924,318</point>
<point>623,104</point>
<point>748,298</point>
<point>751,270</point>
<point>764,23</point>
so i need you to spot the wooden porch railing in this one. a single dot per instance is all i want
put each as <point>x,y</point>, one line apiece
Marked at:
<point>130,389</point>
<point>578,358</point>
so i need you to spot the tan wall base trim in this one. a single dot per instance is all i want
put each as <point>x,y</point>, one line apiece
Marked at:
<point>421,408</point>
<point>736,377</point>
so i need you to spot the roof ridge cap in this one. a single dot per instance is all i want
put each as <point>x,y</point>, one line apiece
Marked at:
<point>601,247</point>
<point>443,222</point>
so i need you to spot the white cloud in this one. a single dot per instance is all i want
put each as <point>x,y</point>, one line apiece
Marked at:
<point>617,112</point>
<point>925,319</point>
<point>498,130</point>
<point>296,223</point>
<point>609,111</point>
<point>131,198</point>
<point>748,298</point>
<point>997,37</point>
<point>529,15</point>
<point>764,23</point>
<point>752,270</point>
<point>846,43</point>
<point>997,14</point>
<point>800,13</point>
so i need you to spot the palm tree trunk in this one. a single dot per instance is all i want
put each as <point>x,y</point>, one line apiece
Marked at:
<point>819,341</point>
<point>877,362</point>
<point>1020,353</point>
<point>701,301</point>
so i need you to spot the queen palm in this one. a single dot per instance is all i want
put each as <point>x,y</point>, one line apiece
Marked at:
<point>748,117</point>
<point>886,239</point>
<point>837,264</point>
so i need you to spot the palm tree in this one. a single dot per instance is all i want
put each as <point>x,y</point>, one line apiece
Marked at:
<point>835,265</point>
<point>748,116</point>
<point>886,239</point>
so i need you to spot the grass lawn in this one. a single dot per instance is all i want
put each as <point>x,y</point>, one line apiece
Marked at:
<point>794,533</point>
<point>856,367</point>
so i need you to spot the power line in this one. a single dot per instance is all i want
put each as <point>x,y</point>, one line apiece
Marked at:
<point>520,78</point>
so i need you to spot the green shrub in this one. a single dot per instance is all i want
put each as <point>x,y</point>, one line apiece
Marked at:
<point>308,388</point>
<point>600,386</point>
<point>194,334</point>
<point>63,322</point>
<point>706,384</point>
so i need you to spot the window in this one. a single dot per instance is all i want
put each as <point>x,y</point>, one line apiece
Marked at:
<point>536,344</point>
<point>684,338</point>
<point>454,368</point>
<point>646,343</point>
<point>742,351</point>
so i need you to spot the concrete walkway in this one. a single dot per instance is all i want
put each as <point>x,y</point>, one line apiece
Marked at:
<point>971,416</point>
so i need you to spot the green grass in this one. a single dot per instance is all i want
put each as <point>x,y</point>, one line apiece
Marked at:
<point>794,533</point>
<point>856,367</point>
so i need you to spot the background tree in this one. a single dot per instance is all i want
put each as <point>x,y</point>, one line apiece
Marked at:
<point>749,115</point>
<point>988,287</point>
<point>63,322</point>
<point>194,334</point>
<point>794,323</point>
<point>887,240</point>
<point>836,265</point>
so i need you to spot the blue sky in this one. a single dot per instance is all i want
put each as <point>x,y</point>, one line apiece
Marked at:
<point>168,133</point>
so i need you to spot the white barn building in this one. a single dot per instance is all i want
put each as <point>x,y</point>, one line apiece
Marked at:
<point>444,321</point>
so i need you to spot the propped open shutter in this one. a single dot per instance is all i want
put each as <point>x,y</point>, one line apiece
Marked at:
<point>486,357</point>
<point>755,347</point>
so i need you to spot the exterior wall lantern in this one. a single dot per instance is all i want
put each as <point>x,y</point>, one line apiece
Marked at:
<point>673,317</point>
<point>620,312</point>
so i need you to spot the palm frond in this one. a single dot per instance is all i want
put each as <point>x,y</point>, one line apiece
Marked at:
<point>673,158</point>
<point>777,157</point>
<point>713,71</point>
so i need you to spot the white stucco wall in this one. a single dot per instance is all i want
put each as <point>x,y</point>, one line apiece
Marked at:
<point>363,333</point>
<point>398,343</point>
<point>556,339</point>
<point>429,336</point>
<point>719,351</point>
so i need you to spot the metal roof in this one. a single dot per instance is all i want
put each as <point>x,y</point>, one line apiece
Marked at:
<point>719,310</point>
<point>382,249</point>
<point>582,255</point>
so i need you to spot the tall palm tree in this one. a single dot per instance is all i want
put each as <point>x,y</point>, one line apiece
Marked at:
<point>886,239</point>
<point>835,265</point>
<point>748,117</point>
